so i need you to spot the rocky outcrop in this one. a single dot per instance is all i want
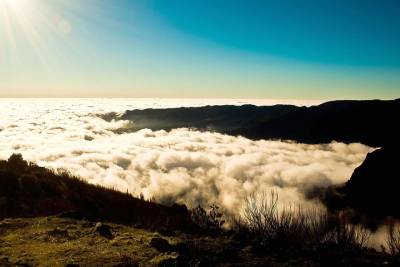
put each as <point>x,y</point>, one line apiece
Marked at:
<point>374,187</point>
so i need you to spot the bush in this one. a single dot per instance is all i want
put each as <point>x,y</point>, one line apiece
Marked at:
<point>29,184</point>
<point>8,183</point>
<point>210,221</point>
<point>393,239</point>
<point>297,227</point>
<point>347,236</point>
<point>17,163</point>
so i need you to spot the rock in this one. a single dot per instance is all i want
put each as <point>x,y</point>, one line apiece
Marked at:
<point>160,244</point>
<point>103,230</point>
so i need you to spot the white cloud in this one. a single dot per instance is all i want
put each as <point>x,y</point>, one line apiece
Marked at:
<point>182,165</point>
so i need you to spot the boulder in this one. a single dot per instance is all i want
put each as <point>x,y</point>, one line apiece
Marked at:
<point>160,244</point>
<point>103,230</point>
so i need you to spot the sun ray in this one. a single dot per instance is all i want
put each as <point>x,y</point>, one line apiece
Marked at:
<point>32,25</point>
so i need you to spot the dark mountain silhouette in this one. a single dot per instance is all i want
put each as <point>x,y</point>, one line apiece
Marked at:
<point>371,194</point>
<point>374,186</point>
<point>369,122</point>
<point>217,118</point>
<point>372,122</point>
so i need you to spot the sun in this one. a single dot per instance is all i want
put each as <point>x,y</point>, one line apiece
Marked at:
<point>29,24</point>
<point>17,18</point>
<point>38,29</point>
<point>14,5</point>
<point>16,12</point>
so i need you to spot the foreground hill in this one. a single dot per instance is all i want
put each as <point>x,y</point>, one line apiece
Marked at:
<point>55,219</point>
<point>58,242</point>
<point>374,186</point>
<point>372,192</point>
<point>27,190</point>
<point>371,122</point>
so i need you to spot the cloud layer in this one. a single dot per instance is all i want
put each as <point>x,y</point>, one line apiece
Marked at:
<point>183,165</point>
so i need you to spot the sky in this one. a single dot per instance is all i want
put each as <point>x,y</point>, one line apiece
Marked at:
<point>331,49</point>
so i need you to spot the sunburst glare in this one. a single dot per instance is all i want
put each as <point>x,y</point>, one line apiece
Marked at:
<point>32,25</point>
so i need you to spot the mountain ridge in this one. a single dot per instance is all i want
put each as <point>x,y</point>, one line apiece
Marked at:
<point>365,121</point>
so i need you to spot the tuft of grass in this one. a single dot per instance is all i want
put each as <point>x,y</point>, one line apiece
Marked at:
<point>393,239</point>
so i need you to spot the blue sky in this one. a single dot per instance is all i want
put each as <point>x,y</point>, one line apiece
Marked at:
<point>175,48</point>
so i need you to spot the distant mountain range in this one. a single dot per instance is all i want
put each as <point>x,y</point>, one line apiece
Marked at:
<point>372,122</point>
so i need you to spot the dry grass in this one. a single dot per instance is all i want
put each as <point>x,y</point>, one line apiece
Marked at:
<point>393,239</point>
<point>31,242</point>
<point>291,227</point>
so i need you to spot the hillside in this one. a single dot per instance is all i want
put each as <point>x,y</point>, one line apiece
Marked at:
<point>27,190</point>
<point>214,118</point>
<point>370,122</point>
<point>51,218</point>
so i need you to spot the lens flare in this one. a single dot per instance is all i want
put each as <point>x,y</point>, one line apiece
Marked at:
<point>31,25</point>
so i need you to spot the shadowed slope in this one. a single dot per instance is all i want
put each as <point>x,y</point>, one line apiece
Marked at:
<point>27,190</point>
<point>216,118</point>
<point>370,122</point>
<point>372,190</point>
<point>374,186</point>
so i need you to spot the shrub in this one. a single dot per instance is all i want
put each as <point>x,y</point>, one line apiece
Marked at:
<point>210,221</point>
<point>29,184</point>
<point>393,239</point>
<point>346,235</point>
<point>296,227</point>
<point>17,163</point>
<point>8,183</point>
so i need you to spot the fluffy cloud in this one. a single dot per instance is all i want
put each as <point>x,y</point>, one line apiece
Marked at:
<point>183,165</point>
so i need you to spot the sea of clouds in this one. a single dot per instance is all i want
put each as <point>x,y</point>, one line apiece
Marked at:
<point>182,165</point>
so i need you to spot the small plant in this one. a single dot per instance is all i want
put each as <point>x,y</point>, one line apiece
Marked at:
<point>393,239</point>
<point>348,236</point>
<point>17,163</point>
<point>211,220</point>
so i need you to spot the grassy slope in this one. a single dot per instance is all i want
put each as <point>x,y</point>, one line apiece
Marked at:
<point>34,242</point>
